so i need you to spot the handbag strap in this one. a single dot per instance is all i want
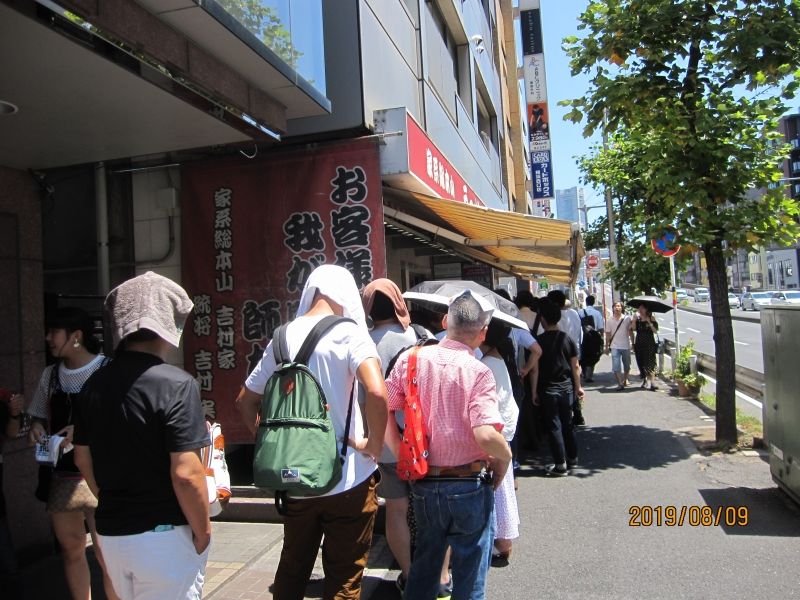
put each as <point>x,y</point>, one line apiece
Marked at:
<point>621,321</point>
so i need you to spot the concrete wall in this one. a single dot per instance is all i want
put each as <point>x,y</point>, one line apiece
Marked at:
<point>22,352</point>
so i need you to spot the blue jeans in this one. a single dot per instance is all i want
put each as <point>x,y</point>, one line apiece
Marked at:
<point>620,360</point>
<point>456,514</point>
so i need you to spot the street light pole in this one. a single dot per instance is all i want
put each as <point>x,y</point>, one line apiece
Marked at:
<point>612,242</point>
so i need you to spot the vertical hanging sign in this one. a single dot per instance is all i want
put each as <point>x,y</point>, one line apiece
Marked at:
<point>253,232</point>
<point>536,97</point>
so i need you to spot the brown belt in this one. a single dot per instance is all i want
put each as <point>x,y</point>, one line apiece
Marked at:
<point>472,469</point>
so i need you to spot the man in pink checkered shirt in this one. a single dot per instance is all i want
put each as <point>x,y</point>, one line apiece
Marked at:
<point>453,505</point>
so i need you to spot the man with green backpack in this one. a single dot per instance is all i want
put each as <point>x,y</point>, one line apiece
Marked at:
<point>311,448</point>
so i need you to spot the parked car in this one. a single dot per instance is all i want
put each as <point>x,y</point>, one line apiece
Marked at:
<point>701,294</point>
<point>755,300</point>
<point>790,297</point>
<point>733,301</point>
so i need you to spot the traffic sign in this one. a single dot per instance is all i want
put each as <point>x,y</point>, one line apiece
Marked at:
<point>666,244</point>
<point>592,261</point>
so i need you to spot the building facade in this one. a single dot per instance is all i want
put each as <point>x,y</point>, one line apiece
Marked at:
<point>571,206</point>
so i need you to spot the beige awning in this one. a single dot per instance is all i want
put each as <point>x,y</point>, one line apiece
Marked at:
<point>519,244</point>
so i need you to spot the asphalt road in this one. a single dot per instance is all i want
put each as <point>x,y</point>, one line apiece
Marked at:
<point>698,327</point>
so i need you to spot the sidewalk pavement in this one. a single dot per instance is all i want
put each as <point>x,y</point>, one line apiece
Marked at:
<point>576,541</point>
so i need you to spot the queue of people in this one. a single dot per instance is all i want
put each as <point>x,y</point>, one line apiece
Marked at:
<point>135,480</point>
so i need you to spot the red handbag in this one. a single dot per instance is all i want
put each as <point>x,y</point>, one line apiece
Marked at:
<point>412,462</point>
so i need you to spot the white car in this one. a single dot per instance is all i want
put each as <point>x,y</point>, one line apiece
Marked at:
<point>790,297</point>
<point>755,300</point>
<point>733,301</point>
<point>681,294</point>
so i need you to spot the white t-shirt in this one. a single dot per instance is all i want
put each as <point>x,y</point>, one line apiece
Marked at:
<point>505,395</point>
<point>622,339</point>
<point>71,381</point>
<point>570,324</point>
<point>334,363</point>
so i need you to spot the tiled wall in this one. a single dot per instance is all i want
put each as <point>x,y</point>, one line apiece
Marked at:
<point>22,351</point>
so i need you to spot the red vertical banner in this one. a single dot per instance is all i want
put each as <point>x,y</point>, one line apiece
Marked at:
<point>252,233</point>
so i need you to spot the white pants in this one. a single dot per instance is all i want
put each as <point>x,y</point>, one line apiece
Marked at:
<point>155,565</point>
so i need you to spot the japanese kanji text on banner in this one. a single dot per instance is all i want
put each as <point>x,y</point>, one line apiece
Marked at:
<point>253,231</point>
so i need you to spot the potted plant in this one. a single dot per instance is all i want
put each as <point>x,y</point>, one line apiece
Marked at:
<point>689,384</point>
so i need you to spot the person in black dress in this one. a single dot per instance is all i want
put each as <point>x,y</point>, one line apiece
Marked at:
<point>645,328</point>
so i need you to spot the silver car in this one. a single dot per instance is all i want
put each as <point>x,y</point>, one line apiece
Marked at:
<point>755,300</point>
<point>733,301</point>
<point>790,297</point>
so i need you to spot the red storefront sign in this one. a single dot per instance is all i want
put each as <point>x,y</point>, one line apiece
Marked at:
<point>429,165</point>
<point>252,233</point>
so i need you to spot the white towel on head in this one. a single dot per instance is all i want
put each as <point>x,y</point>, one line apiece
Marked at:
<point>337,284</point>
<point>149,301</point>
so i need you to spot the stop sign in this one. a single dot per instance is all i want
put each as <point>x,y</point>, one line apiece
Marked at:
<point>592,261</point>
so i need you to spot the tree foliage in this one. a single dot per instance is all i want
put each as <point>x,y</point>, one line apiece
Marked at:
<point>692,91</point>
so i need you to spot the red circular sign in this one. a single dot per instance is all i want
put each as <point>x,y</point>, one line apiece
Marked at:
<point>592,261</point>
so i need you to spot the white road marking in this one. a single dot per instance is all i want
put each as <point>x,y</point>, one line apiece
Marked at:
<point>693,330</point>
<point>740,343</point>
<point>741,395</point>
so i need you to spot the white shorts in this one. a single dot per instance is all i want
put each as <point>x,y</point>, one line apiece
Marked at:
<point>153,565</point>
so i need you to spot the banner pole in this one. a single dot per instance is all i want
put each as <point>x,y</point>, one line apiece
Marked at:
<point>674,307</point>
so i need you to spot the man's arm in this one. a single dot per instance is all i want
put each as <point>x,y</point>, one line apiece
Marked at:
<point>189,482</point>
<point>533,372</point>
<point>533,360</point>
<point>249,405</point>
<point>494,444</point>
<point>576,376</point>
<point>83,460</point>
<point>375,399</point>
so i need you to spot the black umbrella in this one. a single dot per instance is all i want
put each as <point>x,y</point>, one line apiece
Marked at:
<point>653,303</point>
<point>440,293</point>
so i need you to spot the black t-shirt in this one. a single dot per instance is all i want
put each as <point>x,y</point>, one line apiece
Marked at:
<point>132,414</point>
<point>555,369</point>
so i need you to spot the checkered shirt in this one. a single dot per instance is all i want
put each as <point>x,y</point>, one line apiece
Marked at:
<point>457,393</point>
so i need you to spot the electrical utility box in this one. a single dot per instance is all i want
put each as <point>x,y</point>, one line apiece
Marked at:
<point>780,335</point>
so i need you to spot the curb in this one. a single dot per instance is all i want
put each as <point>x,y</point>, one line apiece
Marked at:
<point>756,318</point>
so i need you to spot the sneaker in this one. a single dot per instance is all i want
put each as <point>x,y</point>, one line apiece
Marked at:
<point>571,464</point>
<point>557,470</point>
<point>446,590</point>
<point>400,583</point>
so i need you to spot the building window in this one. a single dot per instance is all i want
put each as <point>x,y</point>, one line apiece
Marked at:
<point>291,31</point>
<point>795,143</point>
<point>487,124</point>
<point>443,60</point>
<point>796,165</point>
<point>796,189</point>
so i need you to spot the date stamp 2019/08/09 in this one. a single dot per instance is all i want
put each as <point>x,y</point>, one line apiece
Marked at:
<point>693,516</point>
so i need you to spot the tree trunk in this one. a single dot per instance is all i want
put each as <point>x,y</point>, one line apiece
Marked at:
<point>723,343</point>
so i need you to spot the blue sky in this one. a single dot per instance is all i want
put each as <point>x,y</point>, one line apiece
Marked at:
<point>559,20</point>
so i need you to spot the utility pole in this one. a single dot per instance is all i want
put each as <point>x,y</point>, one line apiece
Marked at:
<point>612,241</point>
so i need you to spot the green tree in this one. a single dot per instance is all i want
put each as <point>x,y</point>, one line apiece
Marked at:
<point>693,91</point>
<point>263,22</point>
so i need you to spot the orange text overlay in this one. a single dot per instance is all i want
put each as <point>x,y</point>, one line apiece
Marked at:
<point>693,516</point>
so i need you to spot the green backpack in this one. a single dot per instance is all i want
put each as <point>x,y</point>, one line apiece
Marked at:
<point>296,450</point>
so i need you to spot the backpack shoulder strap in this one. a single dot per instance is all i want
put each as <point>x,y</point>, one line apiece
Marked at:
<point>420,331</point>
<point>279,347</point>
<point>315,335</point>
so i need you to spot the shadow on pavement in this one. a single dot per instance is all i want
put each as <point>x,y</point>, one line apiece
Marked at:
<point>613,447</point>
<point>766,511</point>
